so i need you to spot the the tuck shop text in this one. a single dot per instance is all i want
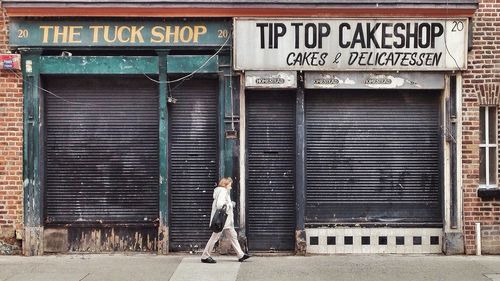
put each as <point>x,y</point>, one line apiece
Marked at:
<point>123,34</point>
<point>94,33</point>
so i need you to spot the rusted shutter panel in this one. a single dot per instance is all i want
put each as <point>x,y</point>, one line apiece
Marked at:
<point>193,162</point>
<point>373,157</point>
<point>101,150</point>
<point>271,170</point>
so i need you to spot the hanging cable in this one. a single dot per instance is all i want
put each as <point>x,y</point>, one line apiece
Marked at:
<point>445,35</point>
<point>192,73</point>
<point>52,93</point>
<point>183,79</point>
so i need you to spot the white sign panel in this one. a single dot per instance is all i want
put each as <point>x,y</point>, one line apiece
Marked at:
<point>354,44</point>
<point>369,80</point>
<point>271,79</point>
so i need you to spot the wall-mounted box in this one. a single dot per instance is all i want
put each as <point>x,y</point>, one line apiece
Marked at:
<point>10,61</point>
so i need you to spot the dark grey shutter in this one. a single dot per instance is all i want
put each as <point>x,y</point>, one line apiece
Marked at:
<point>373,156</point>
<point>193,162</point>
<point>101,150</point>
<point>271,170</point>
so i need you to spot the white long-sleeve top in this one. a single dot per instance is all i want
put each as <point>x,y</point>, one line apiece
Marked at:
<point>222,197</point>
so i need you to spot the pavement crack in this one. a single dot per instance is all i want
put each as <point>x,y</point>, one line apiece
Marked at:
<point>177,267</point>
<point>492,276</point>
<point>85,276</point>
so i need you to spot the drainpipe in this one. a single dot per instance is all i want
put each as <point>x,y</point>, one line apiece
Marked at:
<point>478,239</point>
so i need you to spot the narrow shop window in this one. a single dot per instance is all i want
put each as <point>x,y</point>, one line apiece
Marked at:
<point>488,147</point>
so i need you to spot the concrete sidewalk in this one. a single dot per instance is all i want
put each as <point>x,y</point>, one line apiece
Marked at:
<point>278,268</point>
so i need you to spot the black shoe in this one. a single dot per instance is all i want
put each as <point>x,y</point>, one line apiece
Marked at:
<point>245,256</point>
<point>208,260</point>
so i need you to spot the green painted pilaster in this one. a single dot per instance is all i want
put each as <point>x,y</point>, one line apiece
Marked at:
<point>222,112</point>
<point>227,104</point>
<point>163,230</point>
<point>32,156</point>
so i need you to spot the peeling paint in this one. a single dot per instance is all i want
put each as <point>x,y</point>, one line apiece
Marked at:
<point>33,241</point>
<point>389,82</point>
<point>377,80</point>
<point>349,81</point>
<point>112,239</point>
<point>300,242</point>
<point>163,238</point>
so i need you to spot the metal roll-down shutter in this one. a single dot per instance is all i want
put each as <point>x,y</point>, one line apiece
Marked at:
<point>271,170</point>
<point>101,150</point>
<point>193,162</point>
<point>373,157</point>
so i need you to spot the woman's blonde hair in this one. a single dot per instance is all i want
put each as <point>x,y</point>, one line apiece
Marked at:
<point>225,182</point>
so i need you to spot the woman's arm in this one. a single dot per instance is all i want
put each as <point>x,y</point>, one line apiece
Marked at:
<point>221,198</point>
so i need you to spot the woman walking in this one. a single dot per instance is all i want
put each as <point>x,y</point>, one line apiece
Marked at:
<point>222,197</point>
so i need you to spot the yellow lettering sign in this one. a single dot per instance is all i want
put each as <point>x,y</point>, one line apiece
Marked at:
<point>176,34</point>
<point>74,34</point>
<point>123,33</point>
<point>95,32</point>
<point>157,34</point>
<point>136,34</point>
<point>186,34</point>
<point>106,34</point>
<point>169,34</point>
<point>45,31</point>
<point>198,30</point>
<point>60,33</point>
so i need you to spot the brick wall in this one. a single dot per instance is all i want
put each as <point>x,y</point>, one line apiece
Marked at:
<point>11,151</point>
<point>481,87</point>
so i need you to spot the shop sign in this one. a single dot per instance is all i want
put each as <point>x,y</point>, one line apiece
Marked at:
<point>271,79</point>
<point>29,33</point>
<point>363,80</point>
<point>354,44</point>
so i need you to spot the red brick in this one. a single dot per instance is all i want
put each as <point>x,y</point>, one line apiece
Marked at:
<point>483,73</point>
<point>11,132</point>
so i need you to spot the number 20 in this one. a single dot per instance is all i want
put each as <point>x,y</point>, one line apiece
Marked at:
<point>223,33</point>
<point>22,33</point>
<point>457,26</point>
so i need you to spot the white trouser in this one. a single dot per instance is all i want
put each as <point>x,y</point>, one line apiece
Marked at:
<point>231,233</point>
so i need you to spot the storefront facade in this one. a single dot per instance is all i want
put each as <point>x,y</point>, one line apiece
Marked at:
<point>122,131</point>
<point>375,115</point>
<point>340,125</point>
